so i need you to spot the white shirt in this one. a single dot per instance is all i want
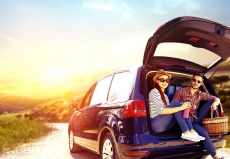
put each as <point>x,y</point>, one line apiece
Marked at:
<point>156,104</point>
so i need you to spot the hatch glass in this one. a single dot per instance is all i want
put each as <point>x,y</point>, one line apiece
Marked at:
<point>187,52</point>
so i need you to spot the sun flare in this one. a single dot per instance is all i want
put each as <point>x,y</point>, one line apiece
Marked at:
<point>52,75</point>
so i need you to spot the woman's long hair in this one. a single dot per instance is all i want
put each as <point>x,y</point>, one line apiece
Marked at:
<point>155,85</point>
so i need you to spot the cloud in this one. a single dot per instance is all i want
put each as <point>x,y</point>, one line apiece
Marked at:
<point>130,47</point>
<point>106,5</point>
<point>11,39</point>
<point>167,6</point>
<point>111,6</point>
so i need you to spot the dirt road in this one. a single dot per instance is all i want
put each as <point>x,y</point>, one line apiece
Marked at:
<point>55,146</point>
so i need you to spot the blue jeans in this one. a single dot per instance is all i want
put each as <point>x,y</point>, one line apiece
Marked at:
<point>197,124</point>
<point>163,123</point>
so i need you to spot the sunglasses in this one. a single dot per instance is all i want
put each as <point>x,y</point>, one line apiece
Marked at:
<point>198,81</point>
<point>163,80</point>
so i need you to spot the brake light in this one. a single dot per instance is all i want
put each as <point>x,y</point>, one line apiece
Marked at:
<point>134,108</point>
<point>194,39</point>
<point>212,44</point>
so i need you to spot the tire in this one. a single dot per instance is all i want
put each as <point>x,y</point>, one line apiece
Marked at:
<point>73,147</point>
<point>108,148</point>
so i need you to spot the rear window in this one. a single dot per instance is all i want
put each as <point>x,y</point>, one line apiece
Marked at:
<point>187,52</point>
<point>121,88</point>
<point>101,91</point>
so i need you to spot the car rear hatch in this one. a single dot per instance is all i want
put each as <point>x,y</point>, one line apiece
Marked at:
<point>188,44</point>
<point>185,45</point>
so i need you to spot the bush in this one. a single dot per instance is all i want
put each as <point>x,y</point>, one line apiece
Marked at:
<point>15,131</point>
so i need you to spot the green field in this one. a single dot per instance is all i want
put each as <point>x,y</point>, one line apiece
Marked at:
<point>15,130</point>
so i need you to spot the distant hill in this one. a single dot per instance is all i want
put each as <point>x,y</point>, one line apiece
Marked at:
<point>17,96</point>
<point>9,108</point>
<point>11,103</point>
<point>57,110</point>
<point>225,65</point>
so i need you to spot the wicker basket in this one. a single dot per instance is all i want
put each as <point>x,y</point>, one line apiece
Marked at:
<point>217,125</point>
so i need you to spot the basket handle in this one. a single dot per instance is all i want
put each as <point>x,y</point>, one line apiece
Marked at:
<point>217,114</point>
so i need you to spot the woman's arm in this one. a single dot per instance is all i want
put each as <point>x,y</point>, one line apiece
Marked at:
<point>176,109</point>
<point>157,107</point>
<point>155,103</point>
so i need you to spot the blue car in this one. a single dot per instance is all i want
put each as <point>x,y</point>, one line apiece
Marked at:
<point>113,117</point>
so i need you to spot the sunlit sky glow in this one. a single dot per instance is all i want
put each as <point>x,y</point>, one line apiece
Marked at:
<point>48,39</point>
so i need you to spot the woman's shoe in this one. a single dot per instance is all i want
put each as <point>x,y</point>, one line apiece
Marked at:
<point>189,136</point>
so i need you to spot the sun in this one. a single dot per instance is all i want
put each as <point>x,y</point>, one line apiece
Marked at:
<point>52,75</point>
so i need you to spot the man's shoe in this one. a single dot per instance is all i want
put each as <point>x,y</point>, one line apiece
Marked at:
<point>189,136</point>
<point>196,135</point>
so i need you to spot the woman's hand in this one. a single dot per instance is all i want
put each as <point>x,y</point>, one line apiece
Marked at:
<point>185,105</point>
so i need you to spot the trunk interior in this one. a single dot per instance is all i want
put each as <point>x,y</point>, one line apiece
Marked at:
<point>177,81</point>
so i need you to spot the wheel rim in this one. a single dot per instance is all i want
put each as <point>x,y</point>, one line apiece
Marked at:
<point>71,140</point>
<point>107,151</point>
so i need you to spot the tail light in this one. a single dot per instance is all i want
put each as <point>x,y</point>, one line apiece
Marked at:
<point>134,108</point>
<point>135,153</point>
<point>221,110</point>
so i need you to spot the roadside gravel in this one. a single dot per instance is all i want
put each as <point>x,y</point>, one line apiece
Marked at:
<point>55,146</point>
<point>225,152</point>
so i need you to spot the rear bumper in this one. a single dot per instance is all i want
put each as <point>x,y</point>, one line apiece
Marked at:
<point>169,150</point>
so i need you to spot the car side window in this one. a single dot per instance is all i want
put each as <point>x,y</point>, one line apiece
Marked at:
<point>87,98</point>
<point>121,88</point>
<point>101,91</point>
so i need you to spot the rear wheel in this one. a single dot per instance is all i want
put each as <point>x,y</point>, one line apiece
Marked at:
<point>108,148</point>
<point>73,147</point>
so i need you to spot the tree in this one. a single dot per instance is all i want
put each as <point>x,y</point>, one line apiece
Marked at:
<point>219,80</point>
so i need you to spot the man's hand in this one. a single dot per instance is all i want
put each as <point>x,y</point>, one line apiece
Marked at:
<point>213,107</point>
<point>215,103</point>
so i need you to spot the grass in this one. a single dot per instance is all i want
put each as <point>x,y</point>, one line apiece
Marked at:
<point>227,113</point>
<point>54,111</point>
<point>18,130</point>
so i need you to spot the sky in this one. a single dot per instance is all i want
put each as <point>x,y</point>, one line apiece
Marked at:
<point>48,39</point>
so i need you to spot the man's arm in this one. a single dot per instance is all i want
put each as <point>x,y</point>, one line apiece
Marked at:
<point>205,96</point>
<point>215,103</point>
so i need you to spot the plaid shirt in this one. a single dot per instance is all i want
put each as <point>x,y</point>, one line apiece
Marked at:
<point>184,94</point>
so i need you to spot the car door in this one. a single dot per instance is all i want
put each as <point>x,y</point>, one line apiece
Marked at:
<point>93,103</point>
<point>188,43</point>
